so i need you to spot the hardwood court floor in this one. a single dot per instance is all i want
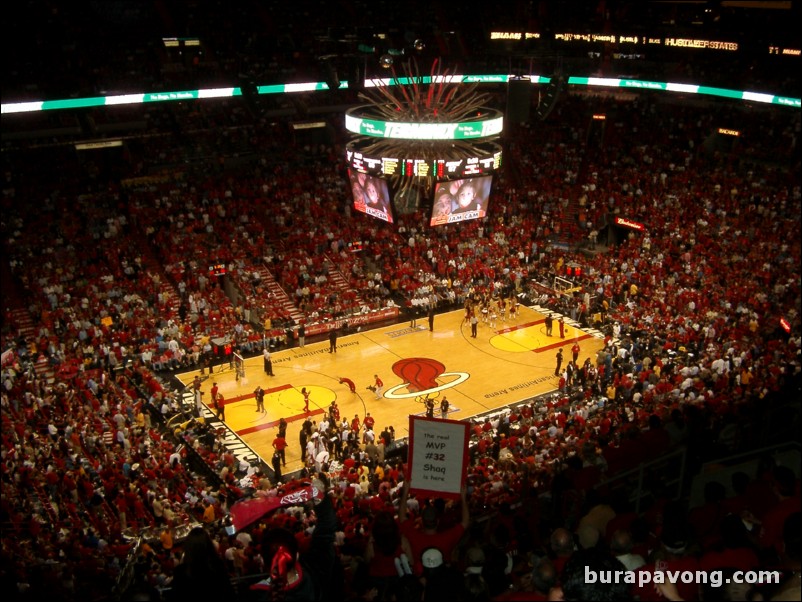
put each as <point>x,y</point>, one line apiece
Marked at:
<point>502,365</point>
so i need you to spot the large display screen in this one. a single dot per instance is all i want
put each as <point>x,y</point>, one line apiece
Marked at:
<point>362,121</point>
<point>371,195</point>
<point>484,162</point>
<point>460,200</point>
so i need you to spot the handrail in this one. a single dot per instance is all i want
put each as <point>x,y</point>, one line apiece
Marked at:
<point>751,453</point>
<point>126,576</point>
<point>641,469</point>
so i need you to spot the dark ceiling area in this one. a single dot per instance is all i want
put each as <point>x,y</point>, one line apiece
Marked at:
<point>101,47</point>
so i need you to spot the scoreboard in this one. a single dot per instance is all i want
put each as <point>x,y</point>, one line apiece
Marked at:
<point>217,269</point>
<point>480,164</point>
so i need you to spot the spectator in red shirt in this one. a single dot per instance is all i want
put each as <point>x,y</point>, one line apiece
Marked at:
<point>562,547</point>
<point>733,550</point>
<point>369,422</point>
<point>787,491</point>
<point>429,535</point>
<point>280,445</point>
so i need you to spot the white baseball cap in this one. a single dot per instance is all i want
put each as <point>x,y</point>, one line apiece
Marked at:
<point>432,558</point>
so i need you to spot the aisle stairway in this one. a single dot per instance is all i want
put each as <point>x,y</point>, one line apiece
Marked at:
<point>21,319</point>
<point>44,501</point>
<point>27,329</point>
<point>571,235</point>
<point>338,280</point>
<point>572,232</point>
<point>12,295</point>
<point>279,295</point>
<point>24,323</point>
<point>167,287</point>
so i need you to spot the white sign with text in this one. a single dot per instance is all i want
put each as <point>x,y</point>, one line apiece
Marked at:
<point>438,455</point>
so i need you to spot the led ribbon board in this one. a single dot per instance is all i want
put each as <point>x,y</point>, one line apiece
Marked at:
<point>207,94</point>
<point>489,123</point>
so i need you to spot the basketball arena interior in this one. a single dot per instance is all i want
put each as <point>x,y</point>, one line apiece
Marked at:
<point>250,250</point>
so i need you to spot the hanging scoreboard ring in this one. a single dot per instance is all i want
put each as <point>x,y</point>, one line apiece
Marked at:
<point>417,133</point>
<point>367,121</point>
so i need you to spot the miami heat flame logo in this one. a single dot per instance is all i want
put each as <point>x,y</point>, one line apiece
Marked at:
<point>423,376</point>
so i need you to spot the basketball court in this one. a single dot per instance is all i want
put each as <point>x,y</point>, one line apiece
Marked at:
<point>511,362</point>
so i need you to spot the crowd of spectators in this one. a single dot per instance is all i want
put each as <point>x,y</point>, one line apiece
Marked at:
<point>98,482</point>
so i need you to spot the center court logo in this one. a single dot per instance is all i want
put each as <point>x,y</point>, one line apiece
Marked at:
<point>423,376</point>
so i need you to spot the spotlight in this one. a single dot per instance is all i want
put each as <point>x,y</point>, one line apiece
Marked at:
<point>419,45</point>
<point>386,61</point>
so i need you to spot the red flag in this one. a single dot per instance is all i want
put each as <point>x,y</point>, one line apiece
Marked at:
<point>245,512</point>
